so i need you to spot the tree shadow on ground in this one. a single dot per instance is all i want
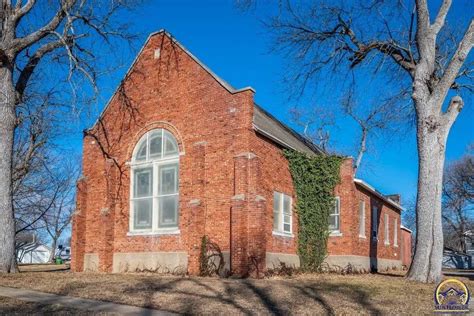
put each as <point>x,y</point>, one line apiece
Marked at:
<point>193,295</point>
<point>249,296</point>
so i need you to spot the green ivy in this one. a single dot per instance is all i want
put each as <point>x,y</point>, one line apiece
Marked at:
<point>314,178</point>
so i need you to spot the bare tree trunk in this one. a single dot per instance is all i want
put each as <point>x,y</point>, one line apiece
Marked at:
<point>53,249</point>
<point>431,135</point>
<point>7,127</point>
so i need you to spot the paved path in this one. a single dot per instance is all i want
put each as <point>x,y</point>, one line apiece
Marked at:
<point>77,303</point>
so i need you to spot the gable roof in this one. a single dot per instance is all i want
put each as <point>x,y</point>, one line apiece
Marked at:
<point>263,122</point>
<point>269,126</point>
<point>221,81</point>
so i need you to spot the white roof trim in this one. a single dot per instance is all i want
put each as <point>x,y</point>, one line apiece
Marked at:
<point>222,82</point>
<point>383,197</point>
<point>408,230</point>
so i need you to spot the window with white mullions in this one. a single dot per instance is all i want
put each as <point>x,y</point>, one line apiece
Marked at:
<point>334,216</point>
<point>282,214</point>
<point>143,198</point>
<point>168,195</point>
<point>155,183</point>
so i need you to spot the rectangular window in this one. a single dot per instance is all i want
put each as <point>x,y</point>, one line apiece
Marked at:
<point>362,219</point>
<point>386,224</point>
<point>334,216</point>
<point>375,224</point>
<point>143,198</point>
<point>395,233</point>
<point>168,195</point>
<point>282,215</point>
<point>155,196</point>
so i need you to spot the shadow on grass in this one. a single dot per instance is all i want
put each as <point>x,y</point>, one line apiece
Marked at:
<point>243,296</point>
<point>195,295</point>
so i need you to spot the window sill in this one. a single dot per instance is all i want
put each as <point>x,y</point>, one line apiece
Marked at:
<point>282,234</point>
<point>174,231</point>
<point>386,243</point>
<point>396,246</point>
<point>335,234</point>
<point>362,237</point>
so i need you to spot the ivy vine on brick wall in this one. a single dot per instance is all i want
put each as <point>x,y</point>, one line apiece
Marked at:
<point>314,178</point>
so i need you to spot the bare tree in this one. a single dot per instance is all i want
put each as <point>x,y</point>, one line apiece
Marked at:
<point>458,202</point>
<point>57,219</point>
<point>315,124</point>
<point>373,118</point>
<point>411,48</point>
<point>33,185</point>
<point>62,38</point>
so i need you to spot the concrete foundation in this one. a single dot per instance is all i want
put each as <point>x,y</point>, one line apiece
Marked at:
<point>388,264</point>
<point>91,262</point>
<point>273,259</point>
<point>161,262</point>
<point>226,255</point>
<point>361,262</point>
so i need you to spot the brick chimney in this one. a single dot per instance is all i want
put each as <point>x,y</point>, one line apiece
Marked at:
<point>397,198</point>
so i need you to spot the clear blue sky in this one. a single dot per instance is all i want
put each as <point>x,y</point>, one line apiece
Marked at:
<point>235,46</point>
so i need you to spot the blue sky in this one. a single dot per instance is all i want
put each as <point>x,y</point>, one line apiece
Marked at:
<point>236,46</point>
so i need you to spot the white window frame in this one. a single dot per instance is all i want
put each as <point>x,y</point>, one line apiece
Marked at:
<point>281,215</point>
<point>155,164</point>
<point>362,219</point>
<point>336,213</point>
<point>395,233</point>
<point>386,229</point>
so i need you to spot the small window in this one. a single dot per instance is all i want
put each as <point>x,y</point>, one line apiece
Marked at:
<point>282,215</point>
<point>386,224</point>
<point>334,217</point>
<point>395,233</point>
<point>362,219</point>
<point>375,224</point>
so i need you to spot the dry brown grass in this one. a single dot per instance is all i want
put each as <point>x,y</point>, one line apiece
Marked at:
<point>46,267</point>
<point>303,294</point>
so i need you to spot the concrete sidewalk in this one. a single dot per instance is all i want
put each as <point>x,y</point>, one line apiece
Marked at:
<point>77,303</point>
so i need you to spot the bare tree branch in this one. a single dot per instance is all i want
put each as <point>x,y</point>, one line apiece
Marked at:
<point>34,60</point>
<point>441,17</point>
<point>20,44</point>
<point>452,71</point>
<point>21,11</point>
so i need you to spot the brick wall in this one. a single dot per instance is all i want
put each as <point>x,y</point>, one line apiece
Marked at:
<point>227,172</point>
<point>212,126</point>
<point>406,249</point>
<point>276,176</point>
<point>349,242</point>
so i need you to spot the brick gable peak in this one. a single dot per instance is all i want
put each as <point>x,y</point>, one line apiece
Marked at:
<point>221,81</point>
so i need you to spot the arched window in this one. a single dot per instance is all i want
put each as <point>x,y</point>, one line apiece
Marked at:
<point>155,183</point>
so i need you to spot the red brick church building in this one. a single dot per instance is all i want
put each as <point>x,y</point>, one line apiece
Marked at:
<point>178,153</point>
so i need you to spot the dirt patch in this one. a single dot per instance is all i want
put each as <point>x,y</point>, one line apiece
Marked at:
<point>303,294</point>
